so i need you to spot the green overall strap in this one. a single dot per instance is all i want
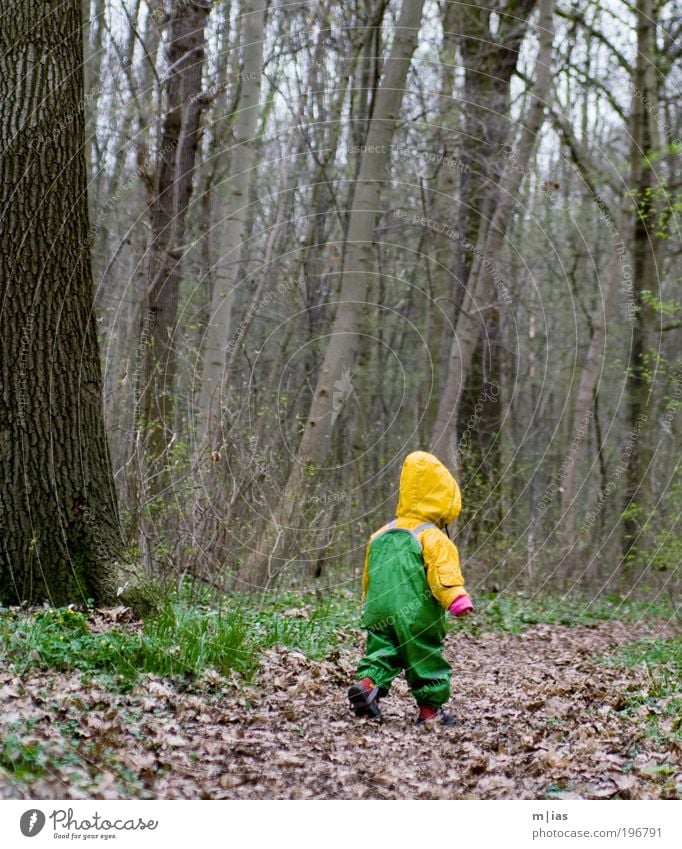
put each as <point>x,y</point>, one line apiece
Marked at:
<point>391,528</point>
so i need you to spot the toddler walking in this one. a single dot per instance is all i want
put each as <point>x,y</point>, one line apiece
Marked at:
<point>411,577</point>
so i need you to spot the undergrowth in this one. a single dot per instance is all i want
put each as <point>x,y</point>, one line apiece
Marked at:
<point>659,703</point>
<point>514,612</point>
<point>184,638</point>
<point>196,630</point>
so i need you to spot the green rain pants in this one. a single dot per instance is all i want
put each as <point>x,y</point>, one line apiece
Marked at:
<point>404,622</point>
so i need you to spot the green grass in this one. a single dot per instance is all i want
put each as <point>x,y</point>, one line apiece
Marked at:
<point>61,639</point>
<point>183,639</point>
<point>664,654</point>
<point>305,623</point>
<point>662,660</point>
<point>23,760</point>
<point>659,705</point>
<point>514,612</point>
<point>196,630</point>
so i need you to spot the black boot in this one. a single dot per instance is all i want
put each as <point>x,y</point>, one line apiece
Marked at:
<point>364,702</point>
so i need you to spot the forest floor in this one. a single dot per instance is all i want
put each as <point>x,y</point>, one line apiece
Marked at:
<point>547,713</point>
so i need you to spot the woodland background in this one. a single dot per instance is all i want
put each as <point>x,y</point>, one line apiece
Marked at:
<point>514,302</point>
<point>252,255</point>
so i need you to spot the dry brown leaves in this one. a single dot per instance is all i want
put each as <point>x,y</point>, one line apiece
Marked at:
<point>538,717</point>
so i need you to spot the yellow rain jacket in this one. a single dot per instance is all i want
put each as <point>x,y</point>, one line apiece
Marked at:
<point>429,493</point>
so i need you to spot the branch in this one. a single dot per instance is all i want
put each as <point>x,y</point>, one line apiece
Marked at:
<point>579,18</point>
<point>579,155</point>
<point>137,35</point>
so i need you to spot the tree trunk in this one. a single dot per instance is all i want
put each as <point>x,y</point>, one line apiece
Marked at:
<point>485,283</point>
<point>93,47</point>
<point>218,345</point>
<point>59,522</point>
<point>490,57</point>
<point>490,61</point>
<point>339,357</point>
<point>646,246</point>
<point>589,377</point>
<point>438,247</point>
<point>175,169</point>
<point>359,242</point>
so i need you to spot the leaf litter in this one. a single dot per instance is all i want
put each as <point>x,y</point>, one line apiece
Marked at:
<point>538,716</point>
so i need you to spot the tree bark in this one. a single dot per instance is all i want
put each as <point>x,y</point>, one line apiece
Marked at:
<point>264,560</point>
<point>59,522</point>
<point>490,57</point>
<point>485,282</point>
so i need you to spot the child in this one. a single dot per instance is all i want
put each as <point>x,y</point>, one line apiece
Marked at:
<point>411,577</point>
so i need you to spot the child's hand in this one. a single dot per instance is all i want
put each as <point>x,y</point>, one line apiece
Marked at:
<point>461,606</point>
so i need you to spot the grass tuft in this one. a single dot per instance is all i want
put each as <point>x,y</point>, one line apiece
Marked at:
<point>182,639</point>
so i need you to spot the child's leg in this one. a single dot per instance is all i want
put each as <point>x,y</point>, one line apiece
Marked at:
<point>382,662</point>
<point>427,671</point>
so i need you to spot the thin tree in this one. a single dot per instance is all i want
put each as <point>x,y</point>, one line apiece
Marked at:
<point>483,283</point>
<point>218,344</point>
<point>646,259</point>
<point>173,189</point>
<point>357,266</point>
<point>590,374</point>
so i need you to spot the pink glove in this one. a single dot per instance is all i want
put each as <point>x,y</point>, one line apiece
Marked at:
<point>461,606</point>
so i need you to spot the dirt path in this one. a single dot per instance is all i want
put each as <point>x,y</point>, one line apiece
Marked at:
<point>539,717</point>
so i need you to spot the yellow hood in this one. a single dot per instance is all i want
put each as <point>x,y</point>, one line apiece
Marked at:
<point>427,490</point>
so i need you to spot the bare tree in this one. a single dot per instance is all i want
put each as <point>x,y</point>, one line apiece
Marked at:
<point>218,344</point>
<point>357,266</point>
<point>646,249</point>
<point>483,283</point>
<point>173,188</point>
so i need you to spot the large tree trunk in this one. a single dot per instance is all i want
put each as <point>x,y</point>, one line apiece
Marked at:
<point>485,283</point>
<point>175,169</point>
<point>59,523</point>
<point>490,61</point>
<point>266,559</point>
<point>218,345</point>
<point>646,247</point>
